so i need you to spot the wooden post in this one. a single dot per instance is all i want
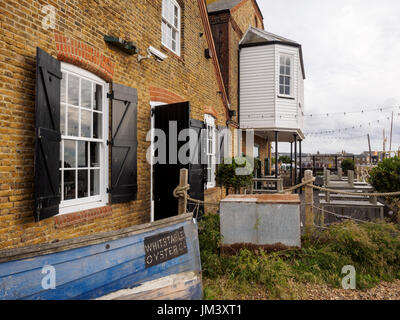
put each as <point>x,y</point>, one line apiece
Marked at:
<point>309,198</point>
<point>327,196</point>
<point>350,175</point>
<point>340,173</point>
<point>183,182</point>
<point>280,185</point>
<point>327,177</point>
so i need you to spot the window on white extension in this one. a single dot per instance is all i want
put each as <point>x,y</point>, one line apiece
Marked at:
<point>171,26</point>
<point>285,75</point>
<point>211,150</point>
<point>84,133</point>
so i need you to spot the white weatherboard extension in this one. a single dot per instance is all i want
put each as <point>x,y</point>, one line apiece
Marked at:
<point>271,84</point>
<point>261,220</point>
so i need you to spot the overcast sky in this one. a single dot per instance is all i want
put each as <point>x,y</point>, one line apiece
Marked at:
<point>352,62</point>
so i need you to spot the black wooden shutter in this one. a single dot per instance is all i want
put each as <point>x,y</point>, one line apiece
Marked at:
<point>221,141</point>
<point>197,171</point>
<point>48,136</point>
<point>124,144</point>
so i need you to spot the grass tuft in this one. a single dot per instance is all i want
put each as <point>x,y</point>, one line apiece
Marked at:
<point>373,249</point>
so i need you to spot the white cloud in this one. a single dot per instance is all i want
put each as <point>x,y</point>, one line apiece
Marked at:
<point>352,60</point>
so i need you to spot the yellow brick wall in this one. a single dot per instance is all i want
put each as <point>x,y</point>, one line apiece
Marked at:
<point>190,76</point>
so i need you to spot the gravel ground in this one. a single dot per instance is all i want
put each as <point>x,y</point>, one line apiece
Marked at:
<point>384,291</point>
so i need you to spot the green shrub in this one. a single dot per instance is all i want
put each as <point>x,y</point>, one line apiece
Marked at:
<point>226,174</point>
<point>348,164</point>
<point>386,176</point>
<point>285,159</point>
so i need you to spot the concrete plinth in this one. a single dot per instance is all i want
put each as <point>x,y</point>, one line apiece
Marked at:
<point>261,220</point>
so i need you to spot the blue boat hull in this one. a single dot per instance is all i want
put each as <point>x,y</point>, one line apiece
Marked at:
<point>96,270</point>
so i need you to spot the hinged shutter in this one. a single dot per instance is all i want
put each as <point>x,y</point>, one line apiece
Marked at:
<point>124,144</point>
<point>48,136</point>
<point>197,171</point>
<point>221,144</point>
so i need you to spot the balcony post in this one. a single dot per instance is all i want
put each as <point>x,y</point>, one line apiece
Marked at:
<point>295,159</point>
<point>291,161</point>
<point>276,154</point>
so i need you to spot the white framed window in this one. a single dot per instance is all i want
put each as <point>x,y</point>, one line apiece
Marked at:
<point>171,26</point>
<point>285,75</point>
<point>84,134</point>
<point>211,149</point>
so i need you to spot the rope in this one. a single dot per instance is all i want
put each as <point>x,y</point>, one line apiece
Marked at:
<point>181,192</point>
<point>341,217</point>
<point>385,194</point>
<point>298,186</point>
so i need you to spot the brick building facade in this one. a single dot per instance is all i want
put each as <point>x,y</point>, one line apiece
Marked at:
<point>229,22</point>
<point>77,40</point>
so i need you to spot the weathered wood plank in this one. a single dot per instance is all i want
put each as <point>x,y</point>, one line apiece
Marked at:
<point>43,249</point>
<point>172,287</point>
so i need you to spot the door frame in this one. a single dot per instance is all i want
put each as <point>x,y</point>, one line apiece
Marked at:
<point>153,104</point>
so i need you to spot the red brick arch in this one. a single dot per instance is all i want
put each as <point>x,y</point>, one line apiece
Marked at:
<point>164,95</point>
<point>84,56</point>
<point>211,111</point>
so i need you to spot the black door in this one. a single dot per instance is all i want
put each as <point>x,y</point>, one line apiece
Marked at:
<point>166,175</point>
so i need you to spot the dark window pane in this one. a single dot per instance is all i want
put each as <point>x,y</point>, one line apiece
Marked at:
<point>61,155</point>
<point>83,154</point>
<point>98,96</point>
<point>86,94</point>
<point>287,90</point>
<point>73,90</point>
<point>94,155</point>
<point>69,185</point>
<point>73,121</point>
<point>287,81</point>
<point>97,125</point>
<point>281,89</point>
<point>281,79</point>
<point>282,70</point>
<point>63,87</point>
<point>83,187</point>
<point>94,182</point>
<point>60,185</point>
<point>69,154</point>
<point>62,118</point>
<point>86,117</point>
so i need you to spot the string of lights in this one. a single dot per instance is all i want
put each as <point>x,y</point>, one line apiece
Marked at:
<point>345,113</point>
<point>333,138</point>
<point>344,130</point>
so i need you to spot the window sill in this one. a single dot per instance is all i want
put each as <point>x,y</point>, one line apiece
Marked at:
<point>174,54</point>
<point>70,219</point>
<point>285,97</point>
